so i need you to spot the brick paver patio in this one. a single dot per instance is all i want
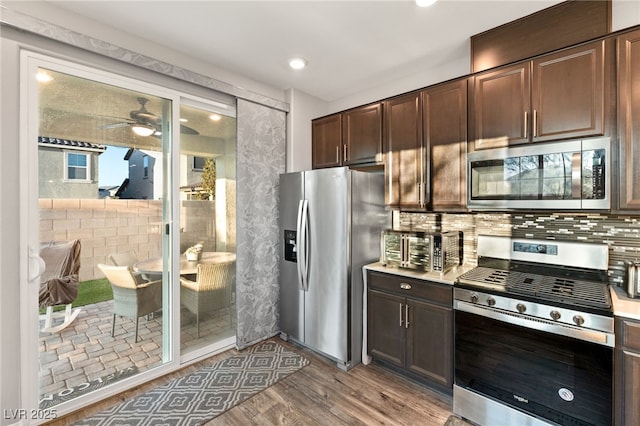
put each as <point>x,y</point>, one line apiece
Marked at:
<point>85,351</point>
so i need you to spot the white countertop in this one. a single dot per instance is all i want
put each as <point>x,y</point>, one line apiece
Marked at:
<point>623,305</point>
<point>448,278</point>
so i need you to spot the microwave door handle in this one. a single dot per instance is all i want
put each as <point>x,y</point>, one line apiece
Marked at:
<point>576,175</point>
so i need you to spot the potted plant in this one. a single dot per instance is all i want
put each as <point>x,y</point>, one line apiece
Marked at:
<point>194,253</point>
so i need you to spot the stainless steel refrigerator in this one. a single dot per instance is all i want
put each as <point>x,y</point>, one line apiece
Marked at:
<point>330,225</point>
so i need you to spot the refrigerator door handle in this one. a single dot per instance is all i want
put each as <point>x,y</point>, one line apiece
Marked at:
<point>305,244</point>
<point>302,244</point>
<point>299,242</point>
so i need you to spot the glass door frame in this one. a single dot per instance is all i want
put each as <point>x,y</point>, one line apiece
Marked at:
<point>217,108</point>
<point>29,230</point>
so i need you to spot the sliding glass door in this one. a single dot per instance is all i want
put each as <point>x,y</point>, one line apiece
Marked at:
<point>207,227</point>
<point>104,200</point>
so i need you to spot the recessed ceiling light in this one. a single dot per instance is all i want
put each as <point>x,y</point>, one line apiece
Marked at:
<point>183,120</point>
<point>297,63</point>
<point>425,3</point>
<point>215,117</point>
<point>43,77</point>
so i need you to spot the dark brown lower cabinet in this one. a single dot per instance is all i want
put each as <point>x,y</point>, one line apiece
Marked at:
<point>627,374</point>
<point>410,326</point>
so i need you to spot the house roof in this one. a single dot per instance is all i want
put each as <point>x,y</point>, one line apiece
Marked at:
<point>43,140</point>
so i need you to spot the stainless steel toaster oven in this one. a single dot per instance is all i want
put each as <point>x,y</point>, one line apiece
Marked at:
<point>420,250</point>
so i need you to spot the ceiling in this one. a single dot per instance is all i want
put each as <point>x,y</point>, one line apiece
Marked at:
<point>350,46</point>
<point>75,108</point>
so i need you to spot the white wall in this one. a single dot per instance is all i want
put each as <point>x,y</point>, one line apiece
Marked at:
<point>303,108</point>
<point>625,14</point>
<point>45,11</point>
<point>9,231</point>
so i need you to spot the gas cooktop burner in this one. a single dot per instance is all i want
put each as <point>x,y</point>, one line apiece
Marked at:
<point>554,289</point>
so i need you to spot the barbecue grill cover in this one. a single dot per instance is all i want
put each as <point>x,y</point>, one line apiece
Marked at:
<point>59,282</point>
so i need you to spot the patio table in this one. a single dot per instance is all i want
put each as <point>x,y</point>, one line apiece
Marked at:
<point>154,265</point>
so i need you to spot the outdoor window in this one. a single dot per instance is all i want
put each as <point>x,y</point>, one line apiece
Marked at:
<point>145,166</point>
<point>77,166</point>
<point>198,163</point>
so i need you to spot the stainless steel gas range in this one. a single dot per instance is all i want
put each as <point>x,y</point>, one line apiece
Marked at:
<point>534,334</point>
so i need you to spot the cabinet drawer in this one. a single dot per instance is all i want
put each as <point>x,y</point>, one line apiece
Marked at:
<point>410,287</point>
<point>628,334</point>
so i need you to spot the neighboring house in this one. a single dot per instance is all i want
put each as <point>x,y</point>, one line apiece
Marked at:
<point>67,168</point>
<point>192,183</point>
<point>144,181</point>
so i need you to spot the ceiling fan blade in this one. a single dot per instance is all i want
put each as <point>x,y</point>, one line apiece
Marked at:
<point>188,130</point>
<point>185,130</point>
<point>115,125</point>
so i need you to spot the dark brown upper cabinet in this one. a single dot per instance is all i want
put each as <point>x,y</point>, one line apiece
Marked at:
<point>362,135</point>
<point>326,141</point>
<point>568,93</point>
<point>444,123</point>
<point>555,96</point>
<point>500,107</point>
<point>629,119</point>
<point>405,186</point>
<point>353,137</point>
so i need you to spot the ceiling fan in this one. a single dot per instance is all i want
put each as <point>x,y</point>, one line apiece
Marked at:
<point>145,123</point>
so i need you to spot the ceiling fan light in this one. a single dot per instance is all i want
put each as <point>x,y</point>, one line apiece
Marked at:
<point>143,129</point>
<point>297,63</point>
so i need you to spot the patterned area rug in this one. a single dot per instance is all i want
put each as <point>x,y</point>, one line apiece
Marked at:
<point>199,397</point>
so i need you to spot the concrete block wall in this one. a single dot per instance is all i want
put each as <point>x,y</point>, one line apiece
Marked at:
<point>103,226</point>
<point>106,226</point>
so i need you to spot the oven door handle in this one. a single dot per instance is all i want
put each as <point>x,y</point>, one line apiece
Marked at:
<point>593,336</point>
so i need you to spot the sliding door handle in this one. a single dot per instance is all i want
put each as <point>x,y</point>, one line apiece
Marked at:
<point>36,265</point>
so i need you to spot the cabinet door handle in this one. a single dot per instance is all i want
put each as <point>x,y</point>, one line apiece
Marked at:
<point>406,316</point>
<point>344,151</point>
<point>526,124</point>
<point>400,310</point>
<point>337,154</point>
<point>405,286</point>
<point>535,123</point>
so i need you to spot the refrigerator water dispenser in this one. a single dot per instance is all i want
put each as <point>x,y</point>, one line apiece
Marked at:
<point>290,252</point>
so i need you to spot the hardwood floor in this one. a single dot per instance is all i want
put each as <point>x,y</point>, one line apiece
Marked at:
<point>319,394</point>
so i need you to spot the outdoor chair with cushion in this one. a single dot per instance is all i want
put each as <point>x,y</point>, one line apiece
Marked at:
<point>59,282</point>
<point>211,289</point>
<point>129,258</point>
<point>131,298</point>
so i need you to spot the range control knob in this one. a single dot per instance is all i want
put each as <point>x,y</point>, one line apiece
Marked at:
<point>521,308</point>
<point>474,298</point>
<point>555,315</point>
<point>578,320</point>
<point>491,301</point>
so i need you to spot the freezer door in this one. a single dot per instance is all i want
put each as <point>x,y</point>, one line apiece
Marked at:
<point>291,295</point>
<point>326,326</point>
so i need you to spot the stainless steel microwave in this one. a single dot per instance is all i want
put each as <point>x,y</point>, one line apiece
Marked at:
<point>569,175</point>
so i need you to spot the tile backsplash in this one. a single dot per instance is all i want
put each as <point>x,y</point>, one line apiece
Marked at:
<point>620,233</point>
